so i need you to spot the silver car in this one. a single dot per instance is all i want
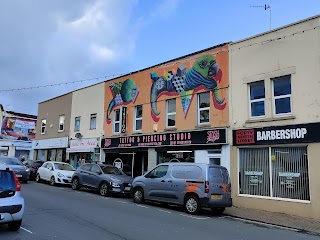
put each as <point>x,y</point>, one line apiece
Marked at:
<point>21,171</point>
<point>105,178</point>
<point>11,202</point>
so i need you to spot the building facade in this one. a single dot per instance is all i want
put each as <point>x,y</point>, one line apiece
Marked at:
<point>275,117</point>
<point>53,129</point>
<point>174,111</point>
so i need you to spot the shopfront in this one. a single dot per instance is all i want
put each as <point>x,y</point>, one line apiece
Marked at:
<point>279,165</point>
<point>53,149</point>
<point>143,152</point>
<point>16,148</point>
<point>84,150</point>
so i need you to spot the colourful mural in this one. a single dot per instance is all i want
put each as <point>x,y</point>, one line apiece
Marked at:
<point>205,74</point>
<point>123,93</point>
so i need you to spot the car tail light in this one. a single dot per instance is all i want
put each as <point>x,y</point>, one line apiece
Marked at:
<point>18,185</point>
<point>206,190</point>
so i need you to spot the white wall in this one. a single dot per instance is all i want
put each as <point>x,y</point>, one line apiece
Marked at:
<point>85,102</point>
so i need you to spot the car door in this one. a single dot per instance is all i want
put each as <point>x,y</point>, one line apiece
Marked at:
<point>41,170</point>
<point>94,176</point>
<point>47,171</point>
<point>156,185</point>
<point>219,184</point>
<point>85,174</point>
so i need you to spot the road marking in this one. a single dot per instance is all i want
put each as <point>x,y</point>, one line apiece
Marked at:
<point>122,202</point>
<point>141,206</point>
<point>262,224</point>
<point>26,230</point>
<point>164,211</point>
<point>199,218</point>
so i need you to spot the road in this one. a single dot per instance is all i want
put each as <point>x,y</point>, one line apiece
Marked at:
<point>62,213</point>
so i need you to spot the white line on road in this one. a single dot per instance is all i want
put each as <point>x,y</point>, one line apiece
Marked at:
<point>164,211</point>
<point>26,230</point>
<point>141,206</point>
<point>122,202</point>
<point>199,218</point>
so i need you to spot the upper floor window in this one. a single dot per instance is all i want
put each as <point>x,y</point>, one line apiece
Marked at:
<point>77,124</point>
<point>257,99</point>
<point>116,121</point>
<point>93,121</point>
<point>138,118</point>
<point>203,107</point>
<point>282,95</point>
<point>61,123</point>
<point>171,113</point>
<point>43,126</point>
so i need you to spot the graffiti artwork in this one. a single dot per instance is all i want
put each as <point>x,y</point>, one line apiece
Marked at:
<point>123,93</point>
<point>18,128</point>
<point>205,74</point>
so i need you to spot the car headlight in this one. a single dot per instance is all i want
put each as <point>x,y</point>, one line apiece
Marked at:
<point>60,175</point>
<point>113,184</point>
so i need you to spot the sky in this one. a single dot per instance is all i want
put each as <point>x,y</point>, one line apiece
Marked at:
<point>45,42</point>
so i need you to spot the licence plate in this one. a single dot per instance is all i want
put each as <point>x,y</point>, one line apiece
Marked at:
<point>215,196</point>
<point>127,188</point>
<point>19,175</point>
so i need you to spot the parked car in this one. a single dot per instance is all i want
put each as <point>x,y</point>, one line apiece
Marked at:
<point>11,202</point>
<point>105,178</point>
<point>55,173</point>
<point>192,185</point>
<point>22,172</point>
<point>33,166</point>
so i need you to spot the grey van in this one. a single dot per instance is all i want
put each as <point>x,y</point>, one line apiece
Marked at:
<point>192,185</point>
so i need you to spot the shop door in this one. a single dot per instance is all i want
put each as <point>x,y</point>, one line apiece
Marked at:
<point>215,160</point>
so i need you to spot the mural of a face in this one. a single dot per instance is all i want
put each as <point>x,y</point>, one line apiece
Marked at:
<point>204,73</point>
<point>123,93</point>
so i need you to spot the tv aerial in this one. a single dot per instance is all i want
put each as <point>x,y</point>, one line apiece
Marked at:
<point>265,7</point>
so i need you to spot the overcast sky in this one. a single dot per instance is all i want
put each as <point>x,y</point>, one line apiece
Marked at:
<point>44,42</point>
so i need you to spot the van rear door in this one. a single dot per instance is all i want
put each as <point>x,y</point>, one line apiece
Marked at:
<point>219,183</point>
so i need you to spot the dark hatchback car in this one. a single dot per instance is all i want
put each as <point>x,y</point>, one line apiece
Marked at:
<point>21,171</point>
<point>33,166</point>
<point>105,178</point>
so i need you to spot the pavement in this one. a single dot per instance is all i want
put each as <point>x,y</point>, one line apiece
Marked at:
<point>280,219</point>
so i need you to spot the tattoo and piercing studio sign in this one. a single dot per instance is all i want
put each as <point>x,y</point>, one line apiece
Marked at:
<point>207,137</point>
<point>301,133</point>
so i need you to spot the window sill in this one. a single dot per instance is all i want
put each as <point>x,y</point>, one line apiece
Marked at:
<point>272,119</point>
<point>203,126</point>
<point>136,132</point>
<point>275,198</point>
<point>61,131</point>
<point>92,128</point>
<point>170,129</point>
<point>43,133</point>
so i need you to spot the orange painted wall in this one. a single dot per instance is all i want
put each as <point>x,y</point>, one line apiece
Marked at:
<point>218,118</point>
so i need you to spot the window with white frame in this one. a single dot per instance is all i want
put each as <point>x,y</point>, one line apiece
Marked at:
<point>280,172</point>
<point>61,123</point>
<point>203,108</point>
<point>257,99</point>
<point>282,95</point>
<point>43,126</point>
<point>171,113</point>
<point>116,121</point>
<point>77,124</point>
<point>93,121</point>
<point>138,118</point>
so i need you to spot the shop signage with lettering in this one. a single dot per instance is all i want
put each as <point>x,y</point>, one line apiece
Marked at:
<point>204,137</point>
<point>300,133</point>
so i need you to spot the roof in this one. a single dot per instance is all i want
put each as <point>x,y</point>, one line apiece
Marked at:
<point>24,115</point>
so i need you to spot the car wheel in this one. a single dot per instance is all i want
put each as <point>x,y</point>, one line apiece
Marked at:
<point>38,179</point>
<point>104,189</point>
<point>192,205</point>
<point>138,195</point>
<point>14,226</point>
<point>218,210</point>
<point>52,181</point>
<point>75,184</point>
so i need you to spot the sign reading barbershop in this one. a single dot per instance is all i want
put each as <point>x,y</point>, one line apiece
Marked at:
<point>210,137</point>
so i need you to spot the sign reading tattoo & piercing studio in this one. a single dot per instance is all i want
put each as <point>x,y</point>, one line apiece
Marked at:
<point>301,133</point>
<point>212,136</point>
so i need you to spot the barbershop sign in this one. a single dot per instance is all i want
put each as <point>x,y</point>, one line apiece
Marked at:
<point>212,136</point>
<point>301,133</point>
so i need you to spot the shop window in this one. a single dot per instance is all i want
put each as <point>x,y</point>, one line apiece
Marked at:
<point>203,108</point>
<point>77,124</point>
<point>138,118</point>
<point>171,113</point>
<point>93,121</point>
<point>289,176</point>
<point>61,123</point>
<point>43,126</point>
<point>116,121</point>
<point>282,95</point>
<point>176,156</point>
<point>257,99</point>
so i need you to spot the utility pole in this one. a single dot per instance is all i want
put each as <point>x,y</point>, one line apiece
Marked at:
<point>265,8</point>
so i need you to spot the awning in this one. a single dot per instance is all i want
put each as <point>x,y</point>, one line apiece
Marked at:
<point>78,149</point>
<point>23,148</point>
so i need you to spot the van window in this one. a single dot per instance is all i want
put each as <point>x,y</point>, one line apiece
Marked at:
<point>186,172</point>
<point>225,176</point>
<point>158,172</point>
<point>219,175</point>
<point>7,184</point>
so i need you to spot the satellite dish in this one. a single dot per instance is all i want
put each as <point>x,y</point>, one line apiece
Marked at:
<point>78,135</point>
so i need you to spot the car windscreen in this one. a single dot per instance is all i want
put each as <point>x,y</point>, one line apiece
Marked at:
<point>37,164</point>
<point>11,161</point>
<point>112,170</point>
<point>7,184</point>
<point>63,166</point>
